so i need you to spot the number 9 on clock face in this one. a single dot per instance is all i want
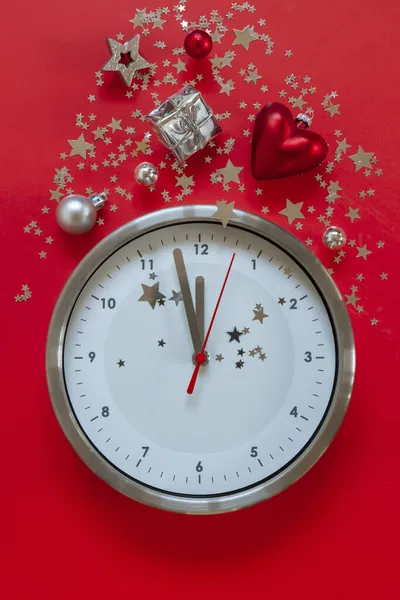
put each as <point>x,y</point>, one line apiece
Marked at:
<point>272,384</point>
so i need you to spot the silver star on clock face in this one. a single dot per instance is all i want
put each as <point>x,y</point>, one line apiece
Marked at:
<point>125,58</point>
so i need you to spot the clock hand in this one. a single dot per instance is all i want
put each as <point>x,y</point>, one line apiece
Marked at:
<point>200,305</point>
<point>187,300</point>
<point>201,356</point>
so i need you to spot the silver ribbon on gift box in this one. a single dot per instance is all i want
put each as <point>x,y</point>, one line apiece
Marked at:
<point>184,123</point>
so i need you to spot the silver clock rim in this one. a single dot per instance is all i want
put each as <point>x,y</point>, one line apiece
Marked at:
<point>239,499</point>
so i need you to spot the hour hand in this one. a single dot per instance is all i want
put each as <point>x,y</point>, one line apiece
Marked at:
<point>188,300</point>
<point>200,305</point>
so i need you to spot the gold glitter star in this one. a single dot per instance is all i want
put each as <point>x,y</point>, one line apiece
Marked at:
<point>363,252</point>
<point>362,159</point>
<point>259,315</point>
<point>333,109</point>
<point>299,103</point>
<point>80,146</point>
<point>180,66</point>
<point>292,211</point>
<point>353,214</point>
<point>245,330</point>
<point>281,301</point>
<point>151,294</point>
<point>219,358</point>
<point>352,298</point>
<point>244,37</point>
<point>230,173</point>
<point>99,133</point>
<point>342,145</point>
<point>114,125</point>
<point>56,195</point>
<point>137,62</point>
<point>184,181</point>
<point>224,212</point>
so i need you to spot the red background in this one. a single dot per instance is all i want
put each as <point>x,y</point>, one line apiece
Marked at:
<point>64,532</point>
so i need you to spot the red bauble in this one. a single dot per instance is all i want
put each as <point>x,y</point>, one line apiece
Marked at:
<point>198,44</point>
<point>280,147</point>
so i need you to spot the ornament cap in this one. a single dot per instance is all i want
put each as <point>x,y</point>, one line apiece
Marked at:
<point>98,200</point>
<point>303,120</point>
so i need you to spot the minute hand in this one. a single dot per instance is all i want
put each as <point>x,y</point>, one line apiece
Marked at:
<point>187,300</point>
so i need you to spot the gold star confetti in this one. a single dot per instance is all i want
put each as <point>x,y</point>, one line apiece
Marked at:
<point>281,301</point>
<point>224,212</point>
<point>292,211</point>
<point>219,358</point>
<point>244,37</point>
<point>134,61</point>
<point>333,109</point>
<point>363,252</point>
<point>361,159</point>
<point>80,146</point>
<point>230,173</point>
<point>115,124</point>
<point>353,214</point>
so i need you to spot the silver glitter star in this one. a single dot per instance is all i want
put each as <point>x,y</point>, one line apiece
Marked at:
<point>131,48</point>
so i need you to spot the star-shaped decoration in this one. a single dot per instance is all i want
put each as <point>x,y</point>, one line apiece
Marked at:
<point>240,352</point>
<point>352,298</point>
<point>219,358</point>
<point>180,66</point>
<point>230,173</point>
<point>121,363</point>
<point>258,349</point>
<point>262,356</point>
<point>299,103</point>
<point>252,353</point>
<point>239,364</point>
<point>99,133</point>
<point>342,145</point>
<point>353,214</point>
<point>245,330</point>
<point>333,109</point>
<point>151,294</point>
<point>80,146</point>
<point>362,159</point>
<point>115,124</point>
<point>176,297</point>
<point>56,195</point>
<point>244,37</point>
<point>363,252</point>
<point>292,211</point>
<point>234,335</point>
<point>224,212</point>
<point>184,181</point>
<point>127,68</point>
<point>161,343</point>
<point>281,301</point>
<point>161,302</point>
<point>152,276</point>
<point>258,306</point>
<point>374,321</point>
<point>259,315</point>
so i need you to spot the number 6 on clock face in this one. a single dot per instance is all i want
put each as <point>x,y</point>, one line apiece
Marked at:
<point>270,393</point>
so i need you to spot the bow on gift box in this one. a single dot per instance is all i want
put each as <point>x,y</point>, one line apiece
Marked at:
<point>186,125</point>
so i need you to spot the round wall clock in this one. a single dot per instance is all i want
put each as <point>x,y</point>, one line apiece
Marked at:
<point>199,368</point>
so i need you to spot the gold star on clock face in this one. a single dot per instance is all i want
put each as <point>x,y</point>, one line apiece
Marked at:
<point>80,146</point>
<point>219,358</point>
<point>125,58</point>
<point>121,363</point>
<point>259,315</point>
<point>244,37</point>
<point>362,159</point>
<point>151,294</point>
<point>281,301</point>
<point>224,212</point>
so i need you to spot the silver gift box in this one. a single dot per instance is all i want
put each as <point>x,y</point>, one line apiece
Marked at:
<point>184,123</point>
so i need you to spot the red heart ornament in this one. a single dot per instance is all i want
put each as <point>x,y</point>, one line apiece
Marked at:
<point>280,148</point>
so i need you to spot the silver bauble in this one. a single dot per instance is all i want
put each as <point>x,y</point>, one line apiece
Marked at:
<point>146,174</point>
<point>76,214</point>
<point>334,238</point>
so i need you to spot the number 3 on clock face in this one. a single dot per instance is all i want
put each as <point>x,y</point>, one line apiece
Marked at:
<point>271,389</point>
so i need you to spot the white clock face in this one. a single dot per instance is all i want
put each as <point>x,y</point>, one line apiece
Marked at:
<point>128,360</point>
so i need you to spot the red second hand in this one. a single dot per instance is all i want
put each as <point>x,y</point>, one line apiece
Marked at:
<point>201,357</point>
